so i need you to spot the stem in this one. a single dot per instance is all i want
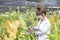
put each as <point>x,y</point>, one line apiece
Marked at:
<point>56,32</point>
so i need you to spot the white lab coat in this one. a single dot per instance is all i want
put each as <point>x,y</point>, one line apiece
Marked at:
<point>43,29</point>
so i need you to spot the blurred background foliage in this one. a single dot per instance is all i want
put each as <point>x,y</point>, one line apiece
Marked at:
<point>14,25</point>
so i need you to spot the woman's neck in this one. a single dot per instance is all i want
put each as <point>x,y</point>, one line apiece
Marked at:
<point>43,18</point>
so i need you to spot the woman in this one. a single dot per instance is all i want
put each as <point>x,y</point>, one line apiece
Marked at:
<point>43,27</point>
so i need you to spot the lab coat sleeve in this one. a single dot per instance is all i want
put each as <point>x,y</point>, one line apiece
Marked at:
<point>35,28</point>
<point>43,29</point>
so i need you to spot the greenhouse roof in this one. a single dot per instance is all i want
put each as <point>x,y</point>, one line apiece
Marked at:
<point>12,2</point>
<point>23,2</point>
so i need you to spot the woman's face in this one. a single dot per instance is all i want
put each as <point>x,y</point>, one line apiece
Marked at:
<point>41,17</point>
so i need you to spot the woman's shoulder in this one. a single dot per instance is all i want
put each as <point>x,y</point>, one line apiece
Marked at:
<point>47,21</point>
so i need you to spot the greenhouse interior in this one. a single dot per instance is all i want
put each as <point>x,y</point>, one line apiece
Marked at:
<point>18,19</point>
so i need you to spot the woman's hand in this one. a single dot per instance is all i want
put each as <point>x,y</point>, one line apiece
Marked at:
<point>30,30</point>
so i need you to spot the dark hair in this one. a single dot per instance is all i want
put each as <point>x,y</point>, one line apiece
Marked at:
<point>40,11</point>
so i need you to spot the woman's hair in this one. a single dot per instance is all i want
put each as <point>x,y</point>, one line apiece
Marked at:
<point>40,11</point>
